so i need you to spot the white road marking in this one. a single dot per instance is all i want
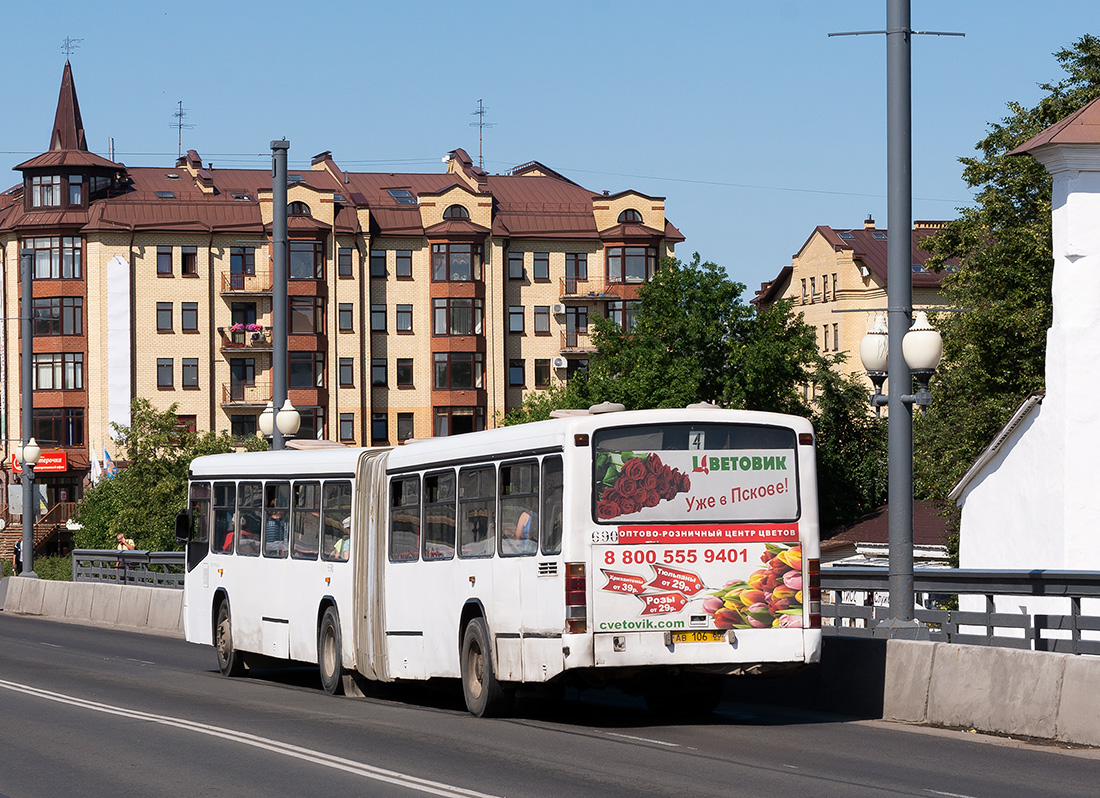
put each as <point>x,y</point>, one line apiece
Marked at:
<point>50,645</point>
<point>643,739</point>
<point>949,794</point>
<point>140,661</point>
<point>264,743</point>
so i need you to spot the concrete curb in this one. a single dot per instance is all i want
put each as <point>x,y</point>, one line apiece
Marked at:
<point>157,610</point>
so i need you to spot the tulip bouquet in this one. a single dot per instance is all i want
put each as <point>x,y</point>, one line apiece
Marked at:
<point>770,598</point>
<point>628,482</point>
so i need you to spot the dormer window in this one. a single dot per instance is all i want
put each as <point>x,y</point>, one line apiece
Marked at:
<point>629,215</point>
<point>45,191</point>
<point>402,196</point>
<point>456,212</point>
<point>297,209</point>
<point>166,195</point>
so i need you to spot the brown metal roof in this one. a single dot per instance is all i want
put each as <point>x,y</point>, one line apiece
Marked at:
<point>67,158</point>
<point>1080,127</point>
<point>929,527</point>
<point>456,227</point>
<point>68,128</point>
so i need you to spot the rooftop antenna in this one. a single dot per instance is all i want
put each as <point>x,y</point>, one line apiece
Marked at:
<point>69,45</point>
<point>481,124</point>
<point>179,124</point>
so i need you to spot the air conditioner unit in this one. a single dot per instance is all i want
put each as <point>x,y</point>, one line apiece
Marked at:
<point>557,309</point>
<point>559,362</point>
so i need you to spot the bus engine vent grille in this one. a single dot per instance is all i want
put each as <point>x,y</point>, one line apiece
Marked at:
<point>548,569</point>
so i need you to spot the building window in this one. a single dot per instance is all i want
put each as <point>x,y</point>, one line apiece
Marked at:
<point>164,372</point>
<point>813,289</point>
<point>379,428</point>
<point>59,316</point>
<point>189,316</point>
<point>190,264</point>
<point>631,264</point>
<point>378,372</point>
<point>344,316</point>
<point>404,426</point>
<point>456,262</point>
<point>624,313</point>
<point>542,319</point>
<point>185,424</point>
<point>343,262</point>
<point>629,215</point>
<point>56,257</point>
<point>189,374</point>
<point>58,372</point>
<point>76,196</point>
<point>458,370</point>
<point>297,209</point>
<point>458,420</point>
<point>45,191</point>
<point>516,372</point>
<point>241,427</point>
<point>542,372</point>
<point>834,286</point>
<point>404,372</point>
<point>306,315</point>
<point>347,372</point>
<point>62,424</point>
<point>576,323</point>
<point>313,423</point>
<point>404,318</point>
<point>164,317</point>
<point>515,318</point>
<point>456,316</point>
<point>402,196</point>
<point>576,271</point>
<point>456,212</point>
<point>242,261</point>
<point>347,426</point>
<point>378,263</point>
<point>836,336</point>
<point>164,260</point>
<point>515,265</point>
<point>825,337</point>
<point>824,288</point>
<point>404,264</point>
<point>803,290</point>
<point>378,318</point>
<point>305,260</point>
<point>307,369</point>
<point>542,267</point>
<point>576,366</point>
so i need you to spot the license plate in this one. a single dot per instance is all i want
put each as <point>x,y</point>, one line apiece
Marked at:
<point>699,636</point>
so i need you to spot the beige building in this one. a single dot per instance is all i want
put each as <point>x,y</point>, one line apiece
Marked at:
<point>419,304</point>
<point>837,281</point>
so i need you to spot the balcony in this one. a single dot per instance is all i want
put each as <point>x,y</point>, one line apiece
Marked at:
<point>236,341</point>
<point>242,394</point>
<point>246,284</point>
<point>597,288</point>
<point>575,341</point>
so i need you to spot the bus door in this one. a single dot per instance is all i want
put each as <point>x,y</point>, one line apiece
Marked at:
<point>275,613</point>
<point>543,582</point>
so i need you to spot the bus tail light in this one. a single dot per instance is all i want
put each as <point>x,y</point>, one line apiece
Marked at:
<point>813,603</point>
<point>576,598</point>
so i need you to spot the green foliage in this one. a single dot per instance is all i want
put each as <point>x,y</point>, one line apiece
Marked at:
<point>695,340</point>
<point>994,353</point>
<point>142,501</point>
<point>57,567</point>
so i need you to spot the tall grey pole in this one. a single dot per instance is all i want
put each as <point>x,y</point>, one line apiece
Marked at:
<point>278,286</point>
<point>26,319</point>
<point>899,285</point>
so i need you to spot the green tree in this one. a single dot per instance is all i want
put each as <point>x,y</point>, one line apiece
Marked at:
<point>142,501</point>
<point>994,352</point>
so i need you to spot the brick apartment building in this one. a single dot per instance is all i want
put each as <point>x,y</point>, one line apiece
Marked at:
<point>419,304</point>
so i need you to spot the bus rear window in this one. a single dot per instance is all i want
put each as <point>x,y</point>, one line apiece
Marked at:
<point>694,473</point>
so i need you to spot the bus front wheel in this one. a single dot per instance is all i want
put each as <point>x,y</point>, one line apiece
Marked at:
<point>329,658</point>
<point>230,660</point>
<point>485,698</point>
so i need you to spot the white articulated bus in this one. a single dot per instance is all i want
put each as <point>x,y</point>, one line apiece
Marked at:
<point>658,550</point>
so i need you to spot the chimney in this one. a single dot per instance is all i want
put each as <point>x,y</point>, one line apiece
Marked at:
<point>869,222</point>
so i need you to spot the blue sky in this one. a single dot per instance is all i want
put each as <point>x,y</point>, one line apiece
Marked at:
<point>751,121</point>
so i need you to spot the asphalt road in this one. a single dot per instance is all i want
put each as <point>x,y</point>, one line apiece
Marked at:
<point>99,712</point>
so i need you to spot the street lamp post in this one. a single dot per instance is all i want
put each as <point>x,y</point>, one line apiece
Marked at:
<point>278,286</point>
<point>30,451</point>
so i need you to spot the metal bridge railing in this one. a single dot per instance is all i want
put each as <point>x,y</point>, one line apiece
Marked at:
<point>970,606</point>
<point>150,568</point>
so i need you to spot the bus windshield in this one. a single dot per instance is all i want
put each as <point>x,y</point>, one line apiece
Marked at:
<point>694,473</point>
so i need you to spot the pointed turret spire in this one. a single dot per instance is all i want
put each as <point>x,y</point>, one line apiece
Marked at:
<point>68,129</point>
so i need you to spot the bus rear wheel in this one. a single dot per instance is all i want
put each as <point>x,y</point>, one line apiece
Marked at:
<point>230,660</point>
<point>485,697</point>
<point>329,658</point>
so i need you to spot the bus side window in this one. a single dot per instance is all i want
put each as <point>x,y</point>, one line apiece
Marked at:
<point>477,512</point>
<point>551,505</point>
<point>250,513</point>
<point>336,533</point>
<point>200,512</point>
<point>404,519</point>
<point>439,516</point>
<point>306,521</point>
<point>519,508</point>
<point>276,510</point>
<point>225,512</point>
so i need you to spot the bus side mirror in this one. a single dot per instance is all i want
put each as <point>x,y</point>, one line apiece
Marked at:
<point>183,526</point>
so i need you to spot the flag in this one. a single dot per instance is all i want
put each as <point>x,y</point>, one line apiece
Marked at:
<point>96,474</point>
<point>109,469</point>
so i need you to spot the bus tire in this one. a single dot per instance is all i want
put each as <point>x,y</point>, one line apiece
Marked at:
<point>230,660</point>
<point>329,656</point>
<point>485,697</point>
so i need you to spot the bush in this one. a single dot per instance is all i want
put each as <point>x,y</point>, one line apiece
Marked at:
<point>58,567</point>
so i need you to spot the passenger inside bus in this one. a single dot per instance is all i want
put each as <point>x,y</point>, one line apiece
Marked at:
<point>524,537</point>
<point>249,541</point>
<point>275,534</point>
